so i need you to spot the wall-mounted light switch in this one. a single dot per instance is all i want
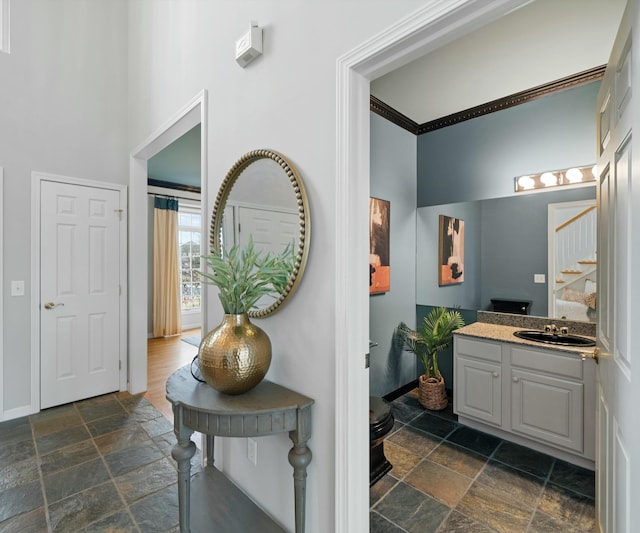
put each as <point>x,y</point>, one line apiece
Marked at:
<point>538,278</point>
<point>17,288</point>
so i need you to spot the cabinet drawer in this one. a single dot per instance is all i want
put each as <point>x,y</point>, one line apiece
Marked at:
<point>489,351</point>
<point>555,363</point>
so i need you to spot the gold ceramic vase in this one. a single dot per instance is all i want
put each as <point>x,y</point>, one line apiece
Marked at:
<point>235,356</point>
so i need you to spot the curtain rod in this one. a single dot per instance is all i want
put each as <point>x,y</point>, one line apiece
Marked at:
<point>168,193</point>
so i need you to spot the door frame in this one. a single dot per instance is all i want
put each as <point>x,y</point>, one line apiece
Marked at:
<point>2,416</point>
<point>36,180</point>
<point>193,113</point>
<point>425,30</point>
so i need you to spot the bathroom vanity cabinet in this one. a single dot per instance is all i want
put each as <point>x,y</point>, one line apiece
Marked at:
<point>543,398</point>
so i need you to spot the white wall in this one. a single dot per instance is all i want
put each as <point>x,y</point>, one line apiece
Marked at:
<point>285,100</point>
<point>393,177</point>
<point>62,111</point>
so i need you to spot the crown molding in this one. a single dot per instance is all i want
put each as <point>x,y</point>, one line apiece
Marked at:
<point>388,112</point>
<point>581,78</point>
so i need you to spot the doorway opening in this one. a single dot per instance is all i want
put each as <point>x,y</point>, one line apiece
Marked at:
<point>175,237</point>
<point>193,115</point>
<point>417,34</point>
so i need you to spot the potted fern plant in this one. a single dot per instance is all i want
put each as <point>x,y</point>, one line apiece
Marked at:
<point>435,334</point>
<point>234,357</point>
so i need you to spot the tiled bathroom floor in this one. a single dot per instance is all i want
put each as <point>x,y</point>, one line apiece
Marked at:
<point>94,466</point>
<point>450,478</point>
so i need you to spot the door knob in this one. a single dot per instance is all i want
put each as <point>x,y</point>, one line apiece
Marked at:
<point>51,305</point>
<point>595,355</point>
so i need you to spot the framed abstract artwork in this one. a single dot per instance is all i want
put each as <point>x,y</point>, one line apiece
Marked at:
<point>379,264</point>
<point>450,251</point>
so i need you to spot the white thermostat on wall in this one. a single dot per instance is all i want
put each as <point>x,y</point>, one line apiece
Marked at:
<point>249,46</point>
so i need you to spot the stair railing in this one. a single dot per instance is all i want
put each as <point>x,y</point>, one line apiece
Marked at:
<point>576,241</point>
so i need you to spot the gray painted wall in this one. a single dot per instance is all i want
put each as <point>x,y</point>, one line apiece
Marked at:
<point>467,171</point>
<point>478,159</point>
<point>393,178</point>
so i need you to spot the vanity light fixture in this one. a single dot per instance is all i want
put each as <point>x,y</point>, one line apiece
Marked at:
<point>573,176</point>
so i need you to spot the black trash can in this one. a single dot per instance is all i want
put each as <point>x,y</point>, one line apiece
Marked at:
<point>380,424</point>
<point>517,307</point>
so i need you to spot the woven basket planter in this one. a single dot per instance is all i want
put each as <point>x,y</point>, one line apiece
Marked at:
<point>431,393</point>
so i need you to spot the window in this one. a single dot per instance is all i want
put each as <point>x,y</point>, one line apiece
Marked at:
<point>189,235</point>
<point>4,26</point>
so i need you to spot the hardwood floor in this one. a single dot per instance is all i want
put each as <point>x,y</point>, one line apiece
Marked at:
<point>165,356</point>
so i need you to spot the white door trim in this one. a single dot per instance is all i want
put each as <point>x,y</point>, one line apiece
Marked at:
<point>1,299</point>
<point>5,28</point>
<point>36,179</point>
<point>429,28</point>
<point>192,114</point>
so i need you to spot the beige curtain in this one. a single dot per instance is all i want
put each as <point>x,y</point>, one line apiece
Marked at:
<point>167,318</point>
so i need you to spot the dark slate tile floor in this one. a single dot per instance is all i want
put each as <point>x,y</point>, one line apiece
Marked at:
<point>100,465</point>
<point>449,478</point>
<point>104,465</point>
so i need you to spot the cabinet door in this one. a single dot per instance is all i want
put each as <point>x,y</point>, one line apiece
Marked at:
<point>478,391</point>
<point>548,409</point>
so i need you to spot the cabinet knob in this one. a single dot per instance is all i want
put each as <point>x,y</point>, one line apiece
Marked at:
<point>496,374</point>
<point>515,379</point>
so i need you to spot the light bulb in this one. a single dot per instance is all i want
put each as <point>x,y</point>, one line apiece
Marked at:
<point>574,175</point>
<point>549,179</point>
<point>526,182</point>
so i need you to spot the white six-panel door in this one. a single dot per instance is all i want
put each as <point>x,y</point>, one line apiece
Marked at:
<point>79,292</point>
<point>618,435</point>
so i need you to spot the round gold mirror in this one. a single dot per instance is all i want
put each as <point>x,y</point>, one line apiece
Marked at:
<point>262,197</point>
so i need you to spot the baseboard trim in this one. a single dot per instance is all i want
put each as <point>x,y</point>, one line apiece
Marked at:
<point>394,395</point>
<point>16,412</point>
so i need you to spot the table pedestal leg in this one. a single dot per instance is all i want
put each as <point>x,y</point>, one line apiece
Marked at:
<point>299,459</point>
<point>209,444</point>
<point>182,452</point>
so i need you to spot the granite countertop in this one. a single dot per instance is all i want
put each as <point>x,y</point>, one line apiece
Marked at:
<point>504,333</point>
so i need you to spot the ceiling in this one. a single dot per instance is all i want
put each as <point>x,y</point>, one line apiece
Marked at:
<point>544,41</point>
<point>539,43</point>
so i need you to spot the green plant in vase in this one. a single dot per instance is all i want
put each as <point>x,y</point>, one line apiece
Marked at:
<point>244,275</point>
<point>435,334</point>
<point>234,357</point>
